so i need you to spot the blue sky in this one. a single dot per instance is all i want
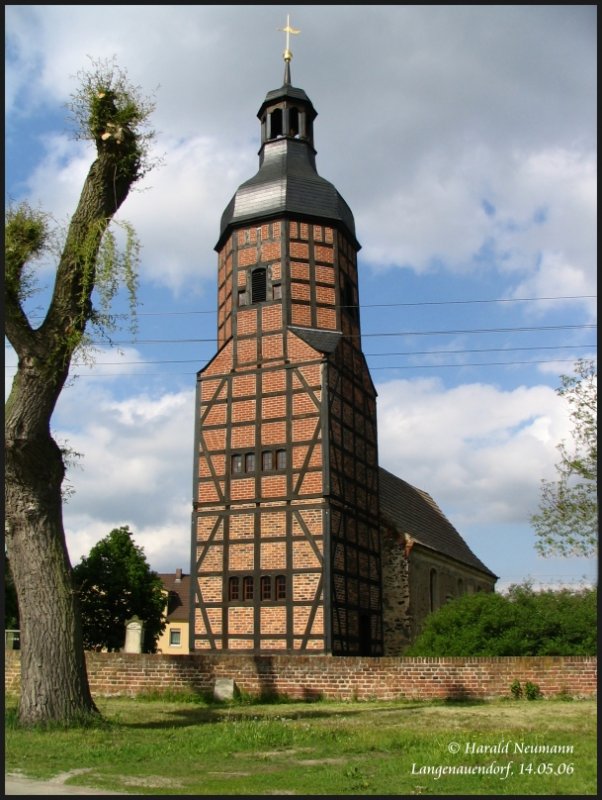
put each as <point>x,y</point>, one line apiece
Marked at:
<point>463,139</point>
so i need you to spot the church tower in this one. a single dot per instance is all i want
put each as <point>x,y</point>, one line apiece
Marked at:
<point>285,533</point>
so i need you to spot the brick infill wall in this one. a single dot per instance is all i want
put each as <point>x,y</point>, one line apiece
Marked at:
<point>311,677</point>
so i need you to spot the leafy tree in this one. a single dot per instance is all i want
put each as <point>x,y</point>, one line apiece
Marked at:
<point>522,622</point>
<point>110,112</point>
<point>567,522</point>
<point>115,583</point>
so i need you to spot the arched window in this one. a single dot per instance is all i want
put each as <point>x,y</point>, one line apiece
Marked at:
<point>266,587</point>
<point>433,588</point>
<point>293,122</point>
<point>247,587</point>
<point>259,285</point>
<point>280,587</point>
<point>275,121</point>
<point>234,589</point>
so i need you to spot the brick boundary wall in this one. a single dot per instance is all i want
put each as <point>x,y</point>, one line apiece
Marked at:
<point>312,677</point>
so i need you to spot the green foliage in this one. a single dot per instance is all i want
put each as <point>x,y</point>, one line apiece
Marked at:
<point>516,690</point>
<point>109,110</point>
<point>567,522</point>
<point>26,237</point>
<point>521,623</point>
<point>532,691</point>
<point>115,583</point>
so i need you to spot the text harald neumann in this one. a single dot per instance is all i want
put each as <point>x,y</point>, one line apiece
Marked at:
<point>508,747</point>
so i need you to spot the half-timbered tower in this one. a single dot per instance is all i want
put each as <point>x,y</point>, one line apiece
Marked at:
<point>285,539</point>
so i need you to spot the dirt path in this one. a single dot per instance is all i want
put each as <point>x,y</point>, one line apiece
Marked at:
<point>14,783</point>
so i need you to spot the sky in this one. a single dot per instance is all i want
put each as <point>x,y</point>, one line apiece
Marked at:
<point>464,140</point>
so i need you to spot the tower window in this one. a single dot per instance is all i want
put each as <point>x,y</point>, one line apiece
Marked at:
<point>250,462</point>
<point>267,461</point>
<point>293,122</point>
<point>258,285</point>
<point>280,587</point>
<point>234,589</point>
<point>275,119</point>
<point>280,459</point>
<point>236,464</point>
<point>266,587</point>
<point>247,588</point>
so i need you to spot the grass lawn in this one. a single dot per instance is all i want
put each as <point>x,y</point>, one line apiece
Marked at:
<point>188,746</point>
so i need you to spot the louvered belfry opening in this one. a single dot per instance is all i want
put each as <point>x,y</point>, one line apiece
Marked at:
<point>258,285</point>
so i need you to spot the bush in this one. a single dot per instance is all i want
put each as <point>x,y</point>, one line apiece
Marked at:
<point>523,622</point>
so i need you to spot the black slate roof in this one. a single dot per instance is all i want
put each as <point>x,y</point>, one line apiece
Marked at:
<point>323,341</point>
<point>413,511</point>
<point>287,184</point>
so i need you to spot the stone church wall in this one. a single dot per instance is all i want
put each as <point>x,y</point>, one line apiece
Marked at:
<point>417,581</point>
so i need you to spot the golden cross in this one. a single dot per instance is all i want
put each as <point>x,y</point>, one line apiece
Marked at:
<point>288,30</point>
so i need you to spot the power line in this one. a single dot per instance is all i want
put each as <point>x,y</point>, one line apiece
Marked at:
<point>383,305</point>
<point>371,355</point>
<point>450,332</point>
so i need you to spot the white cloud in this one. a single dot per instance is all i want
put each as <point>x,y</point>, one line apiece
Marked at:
<point>479,451</point>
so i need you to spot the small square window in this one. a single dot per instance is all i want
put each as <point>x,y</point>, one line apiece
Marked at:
<point>175,637</point>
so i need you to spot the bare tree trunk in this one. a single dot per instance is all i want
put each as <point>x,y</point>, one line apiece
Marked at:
<point>54,682</point>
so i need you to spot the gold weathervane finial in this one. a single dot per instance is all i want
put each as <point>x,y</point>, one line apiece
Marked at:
<point>288,30</point>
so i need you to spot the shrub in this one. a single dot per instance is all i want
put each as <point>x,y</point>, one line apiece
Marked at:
<point>522,622</point>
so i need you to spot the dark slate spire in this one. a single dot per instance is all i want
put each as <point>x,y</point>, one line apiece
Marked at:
<point>287,183</point>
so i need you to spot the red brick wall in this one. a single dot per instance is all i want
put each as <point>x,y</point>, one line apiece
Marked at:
<point>307,677</point>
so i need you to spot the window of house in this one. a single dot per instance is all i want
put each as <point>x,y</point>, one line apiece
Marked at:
<point>267,460</point>
<point>280,587</point>
<point>266,587</point>
<point>236,464</point>
<point>280,459</point>
<point>259,285</point>
<point>175,637</point>
<point>234,589</point>
<point>276,291</point>
<point>250,462</point>
<point>247,587</point>
<point>242,297</point>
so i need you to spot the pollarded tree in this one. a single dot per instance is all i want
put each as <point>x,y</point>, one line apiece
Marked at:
<point>111,112</point>
<point>567,522</point>
<point>115,583</point>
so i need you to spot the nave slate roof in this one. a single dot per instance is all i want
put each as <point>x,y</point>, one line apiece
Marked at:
<point>413,511</point>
